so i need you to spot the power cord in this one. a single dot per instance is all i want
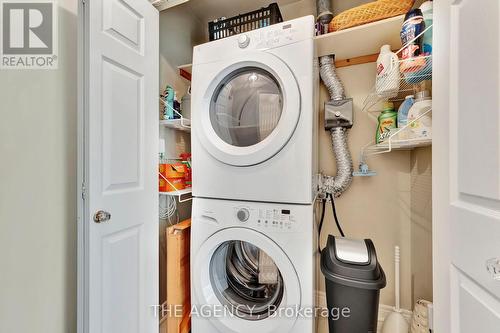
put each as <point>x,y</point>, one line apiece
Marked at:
<point>322,219</point>
<point>323,209</point>
<point>335,216</point>
<point>168,206</point>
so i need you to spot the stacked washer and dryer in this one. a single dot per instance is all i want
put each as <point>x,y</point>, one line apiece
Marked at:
<point>254,145</point>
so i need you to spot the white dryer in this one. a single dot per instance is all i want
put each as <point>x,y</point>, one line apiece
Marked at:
<point>254,115</point>
<point>252,267</point>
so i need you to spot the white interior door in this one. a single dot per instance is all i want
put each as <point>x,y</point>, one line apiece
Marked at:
<point>466,156</point>
<point>118,259</point>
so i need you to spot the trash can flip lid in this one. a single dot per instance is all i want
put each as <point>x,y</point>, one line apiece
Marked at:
<point>353,263</point>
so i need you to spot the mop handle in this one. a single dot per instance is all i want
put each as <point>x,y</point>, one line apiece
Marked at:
<point>430,312</point>
<point>396,270</point>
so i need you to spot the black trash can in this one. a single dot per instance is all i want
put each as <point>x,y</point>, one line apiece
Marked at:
<point>353,281</point>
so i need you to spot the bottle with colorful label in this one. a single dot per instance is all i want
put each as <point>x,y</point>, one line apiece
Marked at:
<point>387,81</point>
<point>419,116</point>
<point>168,103</point>
<point>387,121</point>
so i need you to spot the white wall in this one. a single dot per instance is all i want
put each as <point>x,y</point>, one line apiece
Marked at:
<point>38,191</point>
<point>377,207</point>
<point>421,223</point>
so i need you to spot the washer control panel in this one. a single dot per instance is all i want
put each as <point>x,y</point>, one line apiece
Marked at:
<point>271,219</point>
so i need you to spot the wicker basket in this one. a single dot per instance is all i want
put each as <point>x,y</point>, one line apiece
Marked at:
<point>370,12</point>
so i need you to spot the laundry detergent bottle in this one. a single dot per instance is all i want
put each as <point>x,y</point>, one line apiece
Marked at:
<point>387,122</point>
<point>387,81</point>
<point>419,120</point>
<point>403,110</point>
<point>427,12</point>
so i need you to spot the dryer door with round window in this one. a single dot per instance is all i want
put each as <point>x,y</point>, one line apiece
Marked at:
<point>251,110</point>
<point>249,281</point>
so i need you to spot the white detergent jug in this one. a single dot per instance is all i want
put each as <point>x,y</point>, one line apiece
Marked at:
<point>388,78</point>
<point>419,121</point>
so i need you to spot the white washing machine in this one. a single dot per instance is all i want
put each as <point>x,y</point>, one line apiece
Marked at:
<point>252,267</point>
<point>254,115</point>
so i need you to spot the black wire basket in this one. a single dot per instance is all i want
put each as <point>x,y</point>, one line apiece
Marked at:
<point>256,19</point>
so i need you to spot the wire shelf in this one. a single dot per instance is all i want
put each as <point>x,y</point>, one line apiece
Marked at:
<point>401,139</point>
<point>404,78</point>
<point>183,194</point>
<point>181,123</point>
<point>397,84</point>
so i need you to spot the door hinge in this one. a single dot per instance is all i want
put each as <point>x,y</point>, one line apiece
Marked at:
<point>84,2</point>
<point>84,191</point>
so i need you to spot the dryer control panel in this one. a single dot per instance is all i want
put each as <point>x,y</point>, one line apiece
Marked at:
<point>271,219</point>
<point>276,36</point>
<point>273,36</point>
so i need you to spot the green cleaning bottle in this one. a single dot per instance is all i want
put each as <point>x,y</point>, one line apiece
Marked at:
<point>387,120</point>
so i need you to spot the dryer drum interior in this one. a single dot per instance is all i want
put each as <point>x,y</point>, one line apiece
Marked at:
<point>246,280</point>
<point>246,107</point>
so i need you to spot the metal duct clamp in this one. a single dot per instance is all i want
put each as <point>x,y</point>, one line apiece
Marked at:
<point>339,113</point>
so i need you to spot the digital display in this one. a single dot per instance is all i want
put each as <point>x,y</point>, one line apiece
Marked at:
<point>285,211</point>
<point>287,26</point>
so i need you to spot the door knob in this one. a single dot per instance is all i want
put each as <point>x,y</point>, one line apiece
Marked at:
<point>101,216</point>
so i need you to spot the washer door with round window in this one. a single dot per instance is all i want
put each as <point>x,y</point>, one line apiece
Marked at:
<point>246,283</point>
<point>250,109</point>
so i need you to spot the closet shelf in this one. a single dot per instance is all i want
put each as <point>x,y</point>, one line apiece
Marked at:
<point>166,4</point>
<point>362,40</point>
<point>185,71</point>
<point>182,124</point>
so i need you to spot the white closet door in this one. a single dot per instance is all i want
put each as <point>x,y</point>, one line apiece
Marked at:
<point>118,277</point>
<point>466,169</point>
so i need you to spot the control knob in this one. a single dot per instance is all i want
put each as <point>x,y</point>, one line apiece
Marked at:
<point>243,41</point>
<point>243,214</point>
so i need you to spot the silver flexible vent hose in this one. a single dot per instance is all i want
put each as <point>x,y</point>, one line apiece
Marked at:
<point>325,14</point>
<point>330,79</point>
<point>338,184</point>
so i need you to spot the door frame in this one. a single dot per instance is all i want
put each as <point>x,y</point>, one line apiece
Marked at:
<point>441,241</point>
<point>82,174</point>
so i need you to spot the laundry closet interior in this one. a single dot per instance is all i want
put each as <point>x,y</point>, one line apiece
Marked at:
<point>392,207</point>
